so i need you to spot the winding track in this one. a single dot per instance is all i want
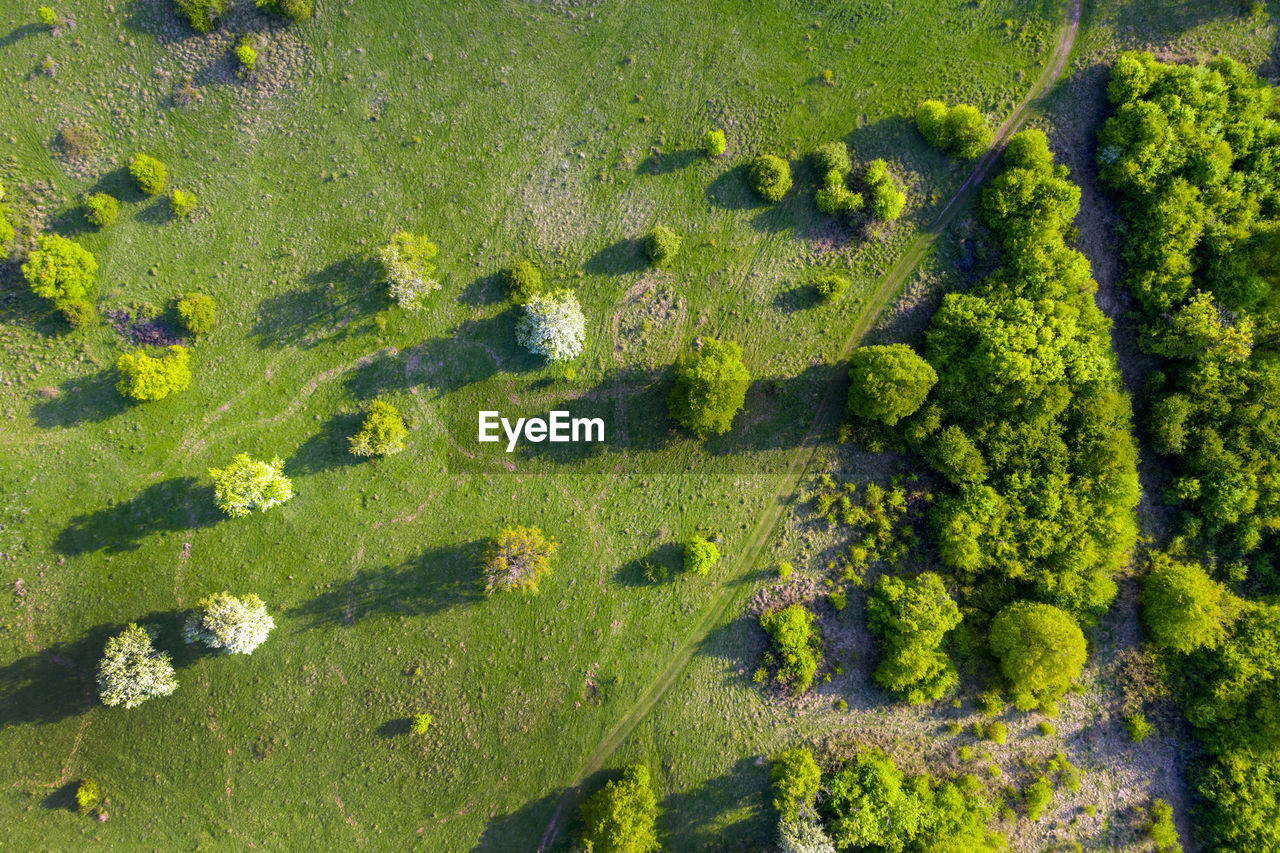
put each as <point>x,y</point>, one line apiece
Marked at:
<point>824,420</point>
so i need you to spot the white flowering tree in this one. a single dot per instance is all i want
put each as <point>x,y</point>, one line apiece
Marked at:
<point>248,484</point>
<point>407,268</point>
<point>132,671</point>
<point>553,326</point>
<point>235,625</point>
<point>803,835</point>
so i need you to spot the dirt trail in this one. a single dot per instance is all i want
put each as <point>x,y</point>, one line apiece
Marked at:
<point>824,420</point>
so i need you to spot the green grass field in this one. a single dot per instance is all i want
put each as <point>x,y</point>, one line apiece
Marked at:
<point>559,131</point>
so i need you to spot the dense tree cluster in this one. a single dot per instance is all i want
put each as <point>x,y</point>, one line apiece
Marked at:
<point>63,271</point>
<point>961,130</point>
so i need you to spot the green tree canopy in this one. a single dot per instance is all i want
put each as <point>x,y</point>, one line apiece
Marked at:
<point>711,386</point>
<point>1040,648</point>
<point>888,382</point>
<point>620,817</point>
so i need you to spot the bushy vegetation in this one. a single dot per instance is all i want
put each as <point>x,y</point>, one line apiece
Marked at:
<point>198,313</point>
<point>407,265</point>
<point>770,177</point>
<point>553,326</point>
<point>888,382</point>
<point>1038,796</point>
<point>517,559</point>
<point>249,484</point>
<point>834,165</point>
<point>700,554</point>
<point>1040,648</point>
<point>101,209</point>
<point>237,626</point>
<point>830,286</point>
<point>961,130</point>
<point>182,203</point>
<point>48,17</point>
<point>246,56</point>
<point>146,378</point>
<point>832,157</point>
<point>661,244</point>
<point>63,271</point>
<point>714,143</point>
<point>523,281</point>
<point>6,227</point>
<point>88,795</point>
<point>148,173</point>
<point>202,14</point>
<point>382,432</point>
<point>797,646</point>
<point>796,780</point>
<point>1183,608</point>
<point>297,11</point>
<point>886,199</point>
<point>711,386</point>
<point>420,724</point>
<point>621,816</point>
<point>132,671</point>
<point>1160,828</point>
<point>910,617</point>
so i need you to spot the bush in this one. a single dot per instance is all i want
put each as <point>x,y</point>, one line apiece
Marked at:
<point>235,625</point>
<point>996,732</point>
<point>87,795</point>
<point>202,14</point>
<point>1038,796</point>
<point>835,197</point>
<point>833,157</point>
<point>198,313</point>
<point>620,817</point>
<point>804,835</point>
<point>249,484</point>
<point>1040,648</point>
<point>48,17</point>
<point>1137,726</point>
<point>796,780</point>
<point>931,120</point>
<point>711,386</point>
<point>524,281</point>
<point>382,433</point>
<point>1160,828</point>
<point>553,326</point>
<point>785,570</point>
<point>101,209</point>
<point>797,644</point>
<point>661,244</point>
<point>246,56</point>
<point>61,270</point>
<point>911,617</point>
<point>517,559</point>
<point>1184,609</point>
<point>714,143</point>
<point>961,130</point>
<point>770,177</point>
<point>132,671</point>
<point>6,227</point>
<point>886,199</point>
<point>146,378</point>
<point>700,555</point>
<point>148,173</point>
<point>888,382</point>
<point>1241,803</point>
<point>78,312</point>
<point>297,11</point>
<point>407,265</point>
<point>420,724</point>
<point>830,286</point>
<point>182,204</point>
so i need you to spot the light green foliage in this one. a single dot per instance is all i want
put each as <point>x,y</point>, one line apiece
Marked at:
<point>101,209</point>
<point>711,386</point>
<point>996,732</point>
<point>831,286</point>
<point>803,835</point>
<point>834,196</point>
<point>6,227</point>
<point>796,779</point>
<point>874,521</point>
<point>661,244</point>
<point>297,11</point>
<point>832,157</point>
<point>888,382</point>
<point>885,198</point>
<point>1037,797</point>
<point>88,795</point>
<point>1040,648</point>
<point>198,312</point>
<point>931,121</point>
<point>61,270</point>
<point>182,203</point>
<point>420,724</point>
<point>910,617</point>
<point>407,265</point>
<point>1241,802</point>
<point>620,817</point>
<point>237,626</point>
<point>553,326</point>
<point>202,14</point>
<point>1182,607</point>
<point>146,378</point>
<point>714,142</point>
<point>48,17</point>
<point>785,569</point>
<point>1137,726</point>
<point>960,130</point>
<point>796,643</point>
<point>382,433</point>
<point>246,56</point>
<point>517,559</point>
<point>148,173</point>
<point>1160,828</point>
<point>249,484</point>
<point>770,177</point>
<point>700,554</point>
<point>523,281</point>
<point>132,671</point>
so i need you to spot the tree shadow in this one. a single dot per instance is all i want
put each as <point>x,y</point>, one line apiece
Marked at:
<point>158,211</point>
<point>625,256</point>
<point>330,306</point>
<point>689,816</point>
<point>329,448</point>
<point>777,412</point>
<point>398,727</point>
<point>17,34</point>
<point>662,564</point>
<point>731,190</point>
<point>484,290</point>
<point>84,399</point>
<point>179,503</point>
<point>664,164</point>
<point>516,830</point>
<point>119,183</point>
<point>63,798</point>
<point>435,581</point>
<point>802,297</point>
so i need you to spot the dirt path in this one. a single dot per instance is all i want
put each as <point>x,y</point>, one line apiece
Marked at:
<point>824,420</point>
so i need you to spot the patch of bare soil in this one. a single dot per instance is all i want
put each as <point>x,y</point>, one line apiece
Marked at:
<point>144,332</point>
<point>645,327</point>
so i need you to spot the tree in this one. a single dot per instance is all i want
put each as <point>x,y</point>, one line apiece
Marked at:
<point>910,617</point>
<point>202,14</point>
<point>869,805</point>
<point>148,378</point>
<point>832,157</point>
<point>6,227</point>
<point>517,559</point>
<point>297,11</point>
<point>407,265</point>
<point>235,625</point>
<point>796,643</point>
<point>661,244</point>
<point>553,326</point>
<point>770,177</point>
<point>198,312</point>
<point>61,270</point>
<point>711,386</point>
<point>1240,796</point>
<point>888,382</point>
<point>714,142</point>
<point>1040,648</point>
<point>968,134</point>
<point>132,671</point>
<point>148,173</point>
<point>931,121</point>
<point>796,779</point>
<point>382,433</point>
<point>524,281</point>
<point>621,816</point>
<point>101,209</point>
<point>249,484</point>
<point>182,203</point>
<point>700,554</point>
<point>1160,828</point>
<point>1182,607</point>
<point>830,286</point>
<point>886,199</point>
<point>1231,692</point>
<point>803,835</point>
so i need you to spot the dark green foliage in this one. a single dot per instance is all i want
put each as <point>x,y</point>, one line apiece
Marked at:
<point>960,130</point>
<point>620,817</point>
<point>770,177</point>
<point>711,386</point>
<point>148,173</point>
<point>78,313</point>
<point>198,312</point>
<point>888,382</point>
<point>661,244</point>
<point>202,14</point>
<point>831,286</point>
<point>796,643</point>
<point>1167,423</point>
<point>883,194</point>
<point>297,11</point>
<point>700,554</point>
<point>910,617</point>
<point>796,779</point>
<point>1040,648</point>
<point>1183,608</point>
<point>101,209</point>
<point>523,281</point>
<point>1240,809</point>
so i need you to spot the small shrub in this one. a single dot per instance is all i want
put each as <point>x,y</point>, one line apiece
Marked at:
<point>838,600</point>
<point>1137,726</point>
<point>785,569</point>
<point>382,433</point>
<point>700,554</point>
<point>832,157</point>
<point>132,671</point>
<point>715,143</point>
<point>101,209</point>
<point>661,244</point>
<point>78,312</point>
<point>991,702</point>
<point>1160,828</point>
<point>1046,728</point>
<point>182,204</point>
<point>146,378</point>
<point>202,14</point>
<point>831,286</point>
<point>246,56</point>
<point>770,177</point>
<point>297,11</point>
<point>249,484</point>
<point>407,265</point>
<point>553,326</point>
<point>524,281</point>
<point>1038,796</point>
<point>517,559</point>
<point>797,644</point>
<point>420,724</point>
<point>997,732</point>
<point>48,17</point>
<point>887,201</point>
<point>148,173</point>
<point>234,625</point>
<point>198,312</point>
<point>87,795</point>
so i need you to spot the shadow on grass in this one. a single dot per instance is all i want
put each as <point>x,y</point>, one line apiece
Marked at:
<point>519,829</point>
<point>673,161</point>
<point>484,290</point>
<point>64,798</point>
<point>662,564</point>
<point>732,190</point>
<point>337,301</point>
<point>625,256</point>
<point>180,503</point>
<point>86,399</point>
<point>777,412</point>
<point>687,816</point>
<point>799,298</point>
<point>436,581</point>
<point>328,449</point>
<point>17,34</point>
<point>398,727</point>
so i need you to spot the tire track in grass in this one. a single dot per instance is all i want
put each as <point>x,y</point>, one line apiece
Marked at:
<point>824,420</point>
